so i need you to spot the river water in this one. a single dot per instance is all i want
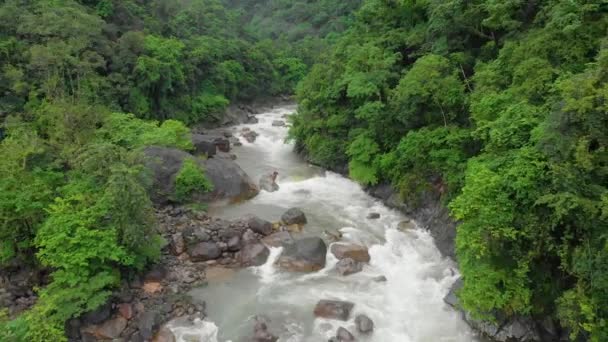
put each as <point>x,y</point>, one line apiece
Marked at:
<point>407,307</point>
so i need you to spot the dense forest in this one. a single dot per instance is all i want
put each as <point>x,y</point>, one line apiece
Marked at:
<point>74,197</point>
<point>499,106</point>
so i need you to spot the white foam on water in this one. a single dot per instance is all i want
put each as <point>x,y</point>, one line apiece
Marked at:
<point>408,307</point>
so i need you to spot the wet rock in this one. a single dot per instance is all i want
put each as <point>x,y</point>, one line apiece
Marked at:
<point>343,335</point>
<point>279,239</point>
<point>178,245</point>
<point>304,255</point>
<point>379,279</point>
<point>249,237</point>
<point>252,120</point>
<point>260,331</point>
<point>125,310</point>
<point>204,145</point>
<point>108,330</point>
<point>364,324</point>
<point>334,309</point>
<point>234,244</point>
<point>268,182</point>
<point>236,141</point>
<point>451,298</point>
<point>348,250</point>
<point>98,315</point>
<point>259,225</point>
<point>278,123</point>
<point>254,254</point>
<point>204,251</point>
<point>348,266</point>
<point>250,136</point>
<point>148,323</point>
<point>294,216</point>
<point>406,225</point>
<point>229,180</point>
<point>222,144</point>
<point>373,216</point>
<point>164,335</point>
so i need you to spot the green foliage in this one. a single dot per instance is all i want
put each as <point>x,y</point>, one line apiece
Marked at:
<point>190,180</point>
<point>499,107</point>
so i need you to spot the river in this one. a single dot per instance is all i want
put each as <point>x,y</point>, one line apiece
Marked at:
<point>407,307</point>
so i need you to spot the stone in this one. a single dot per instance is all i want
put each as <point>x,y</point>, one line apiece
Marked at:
<point>157,273</point>
<point>348,266</point>
<point>451,298</point>
<point>152,287</point>
<point>343,335</point>
<point>98,315</point>
<point>268,182</point>
<point>229,180</point>
<point>349,250</point>
<point>406,225</point>
<point>234,244</point>
<point>110,329</point>
<point>222,144</point>
<point>254,254</point>
<point>294,216</point>
<point>278,123</point>
<point>379,279</point>
<point>260,331</point>
<point>147,323</point>
<point>178,246</point>
<point>364,324</point>
<point>204,251</point>
<point>204,145</point>
<point>334,309</point>
<point>250,136</point>
<point>304,255</point>
<point>373,216</point>
<point>125,310</point>
<point>164,335</point>
<point>252,120</point>
<point>279,239</point>
<point>259,225</point>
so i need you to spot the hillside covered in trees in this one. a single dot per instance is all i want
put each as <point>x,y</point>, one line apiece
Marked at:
<point>74,193</point>
<point>499,106</point>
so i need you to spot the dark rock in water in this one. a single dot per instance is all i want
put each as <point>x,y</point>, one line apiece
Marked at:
<point>250,136</point>
<point>364,324</point>
<point>98,315</point>
<point>348,266</point>
<point>279,239</point>
<point>268,182</point>
<point>252,120</point>
<point>204,251</point>
<point>204,145</point>
<point>304,255</point>
<point>349,250</point>
<point>343,335</point>
<point>222,144</point>
<point>229,180</point>
<point>379,279</point>
<point>294,216</point>
<point>148,323</point>
<point>254,254</point>
<point>373,216</point>
<point>259,225</point>
<point>278,123</point>
<point>260,331</point>
<point>511,329</point>
<point>334,309</point>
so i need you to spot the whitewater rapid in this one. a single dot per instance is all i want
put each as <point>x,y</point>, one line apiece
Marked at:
<point>408,307</point>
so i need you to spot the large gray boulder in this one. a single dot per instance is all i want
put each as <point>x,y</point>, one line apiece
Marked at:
<point>304,255</point>
<point>259,225</point>
<point>364,324</point>
<point>254,254</point>
<point>348,266</point>
<point>204,251</point>
<point>228,179</point>
<point>294,216</point>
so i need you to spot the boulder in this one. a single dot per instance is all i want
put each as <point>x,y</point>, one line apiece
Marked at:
<point>278,123</point>
<point>234,244</point>
<point>252,120</point>
<point>148,322</point>
<point>250,136</point>
<point>364,324</point>
<point>348,266</point>
<point>178,245</point>
<point>294,216</point>
<point>254,254</point>
<point>204,145</point>
<point>348,250</point>
<point>109,329</point>
<point>228,179</point>
<point>406,225</point>
<point>193,235</point>
<point>379,279</point>
<point>164,335</point>
<point>268,182</point>
<point>98,315</point>
<point>334,309</point>
<point>373,216</point>
<point>260,331</point>
<point>343,335</point>
<point>259,225</point>
<point>125,310</point>
<point>204,251</point>
<point>304,255</point>
<point>279,239</point>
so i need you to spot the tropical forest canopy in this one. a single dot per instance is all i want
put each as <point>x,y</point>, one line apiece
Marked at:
<point>502,108</point>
